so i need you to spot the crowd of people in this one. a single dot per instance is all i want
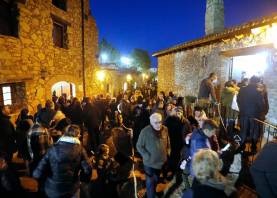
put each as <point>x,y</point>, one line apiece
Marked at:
<point>66,139</point>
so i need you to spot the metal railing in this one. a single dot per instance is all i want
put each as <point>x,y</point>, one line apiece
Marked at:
<point>268,133</point>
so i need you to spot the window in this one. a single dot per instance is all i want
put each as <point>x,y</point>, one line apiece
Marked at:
<point>60,4</point>
<point>7,95</point>
<point>13,94</point>
<point>8,18</point>
<point>59,34</point>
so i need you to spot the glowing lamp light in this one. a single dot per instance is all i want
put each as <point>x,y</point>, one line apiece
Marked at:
<point>125,60</point>
<point>100,75</point>
<point>129,77</point>
<point>104,58</point>
<point>259,30</point>
<point>256,31</point>
<point>144,76</point>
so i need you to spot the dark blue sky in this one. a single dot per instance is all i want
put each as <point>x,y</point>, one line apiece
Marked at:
<point>157,24</point>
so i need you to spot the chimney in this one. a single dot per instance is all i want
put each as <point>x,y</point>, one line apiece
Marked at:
<point>214,18</point>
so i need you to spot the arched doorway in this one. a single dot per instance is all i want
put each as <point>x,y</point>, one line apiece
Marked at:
<point>64,88</point>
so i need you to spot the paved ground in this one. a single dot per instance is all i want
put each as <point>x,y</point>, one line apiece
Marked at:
<point>30,185</point>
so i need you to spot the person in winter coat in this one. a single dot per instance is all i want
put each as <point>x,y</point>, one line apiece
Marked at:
<point>208,182</point>
<point>24,115</point>
<point>120,140</point>
<point>9,182</point>
<point>207,89</point>
<point>154,146</point>
<point>39,140</point>
<point>252,105</point>
<point>62,164</point>
<point>22,129</point>
<point>264,171</point>
<point>178,128</point>
<point>92,123</point>
<point>200,138</point>
<point>141,118</point>
<point>60,122</point>
<point>228,93</point>
<point>7,133</point>
<point>76,112</point>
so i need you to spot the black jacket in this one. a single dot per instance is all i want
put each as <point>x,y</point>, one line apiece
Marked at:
<point>7,136</point>
<point>265,161</point>
<point>251,102</point>
<point>61,167</point>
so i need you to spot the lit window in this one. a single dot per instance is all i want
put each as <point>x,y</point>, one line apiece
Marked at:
<point>7,95</point>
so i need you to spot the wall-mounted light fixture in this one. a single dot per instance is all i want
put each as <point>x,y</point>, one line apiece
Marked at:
<point>101,76</point>
<point>43,73</point>
<point>129,77</point>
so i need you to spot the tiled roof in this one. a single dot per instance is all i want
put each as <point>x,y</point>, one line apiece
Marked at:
<point>227,33</point>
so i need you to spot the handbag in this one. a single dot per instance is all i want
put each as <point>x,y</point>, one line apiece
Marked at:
<point>234,105</point>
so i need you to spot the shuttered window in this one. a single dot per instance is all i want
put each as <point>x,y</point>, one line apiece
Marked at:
<point>59,34</point>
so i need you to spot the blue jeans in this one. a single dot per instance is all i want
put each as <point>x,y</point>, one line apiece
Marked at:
<point>152,176</point>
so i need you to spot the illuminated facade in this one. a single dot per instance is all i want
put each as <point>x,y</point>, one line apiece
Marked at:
<point>241,51</point>
<point>112,80</point>
<point>46,46</point>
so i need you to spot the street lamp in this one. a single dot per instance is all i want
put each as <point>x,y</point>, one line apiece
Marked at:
<point>144,76</point>
<point>101,76</point>
<point>104,58</point>
<point>129,77</point>
<point>125,60</point>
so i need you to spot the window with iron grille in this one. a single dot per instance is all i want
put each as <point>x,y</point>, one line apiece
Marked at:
<point>60,4</point>
<point>59,34</point>
<point>8,18</point>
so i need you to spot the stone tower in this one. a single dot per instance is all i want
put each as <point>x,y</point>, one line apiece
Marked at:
<point>214,18</point>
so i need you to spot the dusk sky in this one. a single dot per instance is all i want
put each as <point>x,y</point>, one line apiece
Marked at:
<point>158,24</point>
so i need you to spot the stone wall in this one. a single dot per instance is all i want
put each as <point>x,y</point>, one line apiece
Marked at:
<point>115,79</point>
<point>166,71</point>
<point>32,57</point>
<point>183,71</point>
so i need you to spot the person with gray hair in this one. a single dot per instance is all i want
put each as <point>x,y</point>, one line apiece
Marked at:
<point>154,146</point>
<point>208,181</point>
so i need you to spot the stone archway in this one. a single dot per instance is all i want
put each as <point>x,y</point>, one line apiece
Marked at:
<point>64,88</point>
<point>67,80</point>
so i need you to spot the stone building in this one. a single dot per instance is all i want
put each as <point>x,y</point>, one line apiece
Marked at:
<point>46,46</point>
<point>111,79</point>
<point>247,49</point>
